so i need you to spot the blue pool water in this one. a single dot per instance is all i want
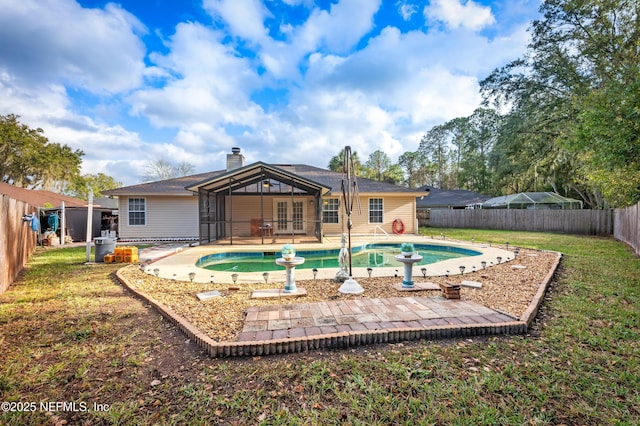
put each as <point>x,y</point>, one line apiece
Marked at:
<point>371,255</point>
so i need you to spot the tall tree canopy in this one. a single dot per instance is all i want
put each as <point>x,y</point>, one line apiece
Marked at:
<point>336,163</point>
<point>97,183</point>
<point>575,101</point>
<point>28,159</point>
<point>161,168</point>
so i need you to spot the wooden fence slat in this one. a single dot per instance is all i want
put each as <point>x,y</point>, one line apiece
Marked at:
<point>17,240</point>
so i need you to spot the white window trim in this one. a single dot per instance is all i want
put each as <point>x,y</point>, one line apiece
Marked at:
<point>146,208</point>
<point>337,211</point>
<point>369,210</point>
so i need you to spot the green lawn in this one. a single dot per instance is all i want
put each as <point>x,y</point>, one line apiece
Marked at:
<point>69,333</point>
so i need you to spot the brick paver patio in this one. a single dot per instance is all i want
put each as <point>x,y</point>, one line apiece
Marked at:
<point>324,318</point>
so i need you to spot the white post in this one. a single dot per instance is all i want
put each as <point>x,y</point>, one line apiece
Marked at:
<point>62,223</point>
<point>89,223</point>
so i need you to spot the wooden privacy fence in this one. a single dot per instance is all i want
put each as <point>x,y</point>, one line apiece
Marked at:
<point>17,240</point>
<point>627,226</point>
<point>584,222</point>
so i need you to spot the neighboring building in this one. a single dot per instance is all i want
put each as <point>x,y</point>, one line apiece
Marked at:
<point>75,211</point>
<point>533,201</point>
<point>448,199</point>
<point>259,199</point>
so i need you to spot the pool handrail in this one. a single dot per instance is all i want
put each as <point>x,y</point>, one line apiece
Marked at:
<point>375,233</point>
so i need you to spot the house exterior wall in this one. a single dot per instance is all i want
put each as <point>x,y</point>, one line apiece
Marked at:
<point>173,217</point>
<point>243,210</point>
<point>166,217</point>
<point>400,206</point>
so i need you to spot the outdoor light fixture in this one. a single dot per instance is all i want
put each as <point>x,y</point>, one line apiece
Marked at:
<point>174,277</point>
<point>234,277</point>
<point>489,243</point>
<point>265,275</point>
<point>499,259</point>
<point>516,251</point>
<point>473,240</point>
<point>447,274</point>
<point>462,268</point>
<point>156,272</point>
<point>507,245</point>
<point>396,274</point>
<point>424,272</point>
<point>211,279</point>
<point>315,272</point>
<point>192,275</point>
<point>474,268</point>
<point>484,264</point>
<point>369,271</point>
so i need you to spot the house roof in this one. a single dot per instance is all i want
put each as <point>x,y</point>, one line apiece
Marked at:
<point>39,197</point>
<point>321,178</point>
<point>441,198</point>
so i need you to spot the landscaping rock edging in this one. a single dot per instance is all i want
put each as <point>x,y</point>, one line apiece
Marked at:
<point>343,340</point>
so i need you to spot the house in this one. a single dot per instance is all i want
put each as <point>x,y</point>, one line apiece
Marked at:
<point>260,200</point>
<point>449,199</point>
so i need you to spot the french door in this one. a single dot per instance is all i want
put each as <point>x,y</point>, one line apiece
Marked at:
<point>290,216</point>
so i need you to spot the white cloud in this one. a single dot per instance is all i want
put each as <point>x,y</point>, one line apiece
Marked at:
<point>211,84</point>
<point>244,17</point>
<point>406,10</point>
<point>455,14</point>
<point>94,49</point>
<point>202,96</point>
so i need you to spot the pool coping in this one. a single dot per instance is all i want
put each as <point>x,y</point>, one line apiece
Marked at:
<point>180,263</point>
<point>347,339</point>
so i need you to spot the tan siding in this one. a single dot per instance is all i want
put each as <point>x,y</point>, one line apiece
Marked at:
<point>401,207</point>
<point>246,209</point>
<point>167,217</point>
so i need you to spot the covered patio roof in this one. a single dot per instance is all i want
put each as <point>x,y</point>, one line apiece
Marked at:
<point>258,178</point>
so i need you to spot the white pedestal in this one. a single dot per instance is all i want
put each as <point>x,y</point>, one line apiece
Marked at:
<point>290,280</point>
<point>408,262</point>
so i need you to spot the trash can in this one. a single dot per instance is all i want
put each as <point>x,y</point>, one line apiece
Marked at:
<point>104,245</point>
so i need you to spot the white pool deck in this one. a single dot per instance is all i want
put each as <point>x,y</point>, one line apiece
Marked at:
<point>175,261</point>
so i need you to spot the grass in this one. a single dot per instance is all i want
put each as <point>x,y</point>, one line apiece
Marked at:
<point>68,332</point>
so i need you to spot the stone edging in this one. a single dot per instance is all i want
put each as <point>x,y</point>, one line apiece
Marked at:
<point>529,315</point>
<point>344,340</point>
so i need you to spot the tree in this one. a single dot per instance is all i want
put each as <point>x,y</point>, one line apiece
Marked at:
<point>576,95</point>
<point>97,183</point>
<point>435,147</point>
<point>28,159</point>
<point>161,169</point>
<point>377,164</point>
<point>336,163</point>
<point>417,168</point>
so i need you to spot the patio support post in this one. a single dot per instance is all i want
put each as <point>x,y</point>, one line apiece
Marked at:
<point>261,184</point>
<point>230,212</point>
<point>293,233</point>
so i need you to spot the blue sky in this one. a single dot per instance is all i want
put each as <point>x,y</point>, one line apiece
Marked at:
<point>287,81</point>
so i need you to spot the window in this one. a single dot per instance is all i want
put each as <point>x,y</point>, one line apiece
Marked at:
<point>137,211</point>
<point>376,208</point>
<point>330,209</point>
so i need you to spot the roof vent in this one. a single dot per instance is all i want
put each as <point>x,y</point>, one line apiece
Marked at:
<point>235,160</point>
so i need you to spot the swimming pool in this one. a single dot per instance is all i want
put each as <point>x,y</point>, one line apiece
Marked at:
<point>366,256</point>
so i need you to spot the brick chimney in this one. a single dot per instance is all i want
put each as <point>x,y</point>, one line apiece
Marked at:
<point>235,160</point>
